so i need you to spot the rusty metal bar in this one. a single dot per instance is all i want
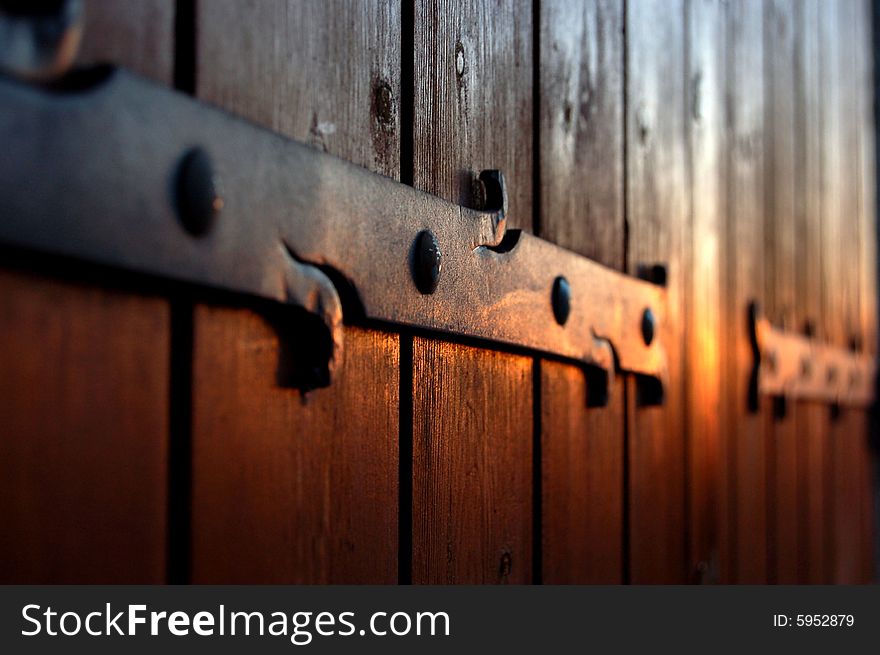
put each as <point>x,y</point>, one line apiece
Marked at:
<point>794,366</point>
<point>107,167</point>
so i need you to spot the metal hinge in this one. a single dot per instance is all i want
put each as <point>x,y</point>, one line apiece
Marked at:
<point>793,366</point>
<point>107,167</point>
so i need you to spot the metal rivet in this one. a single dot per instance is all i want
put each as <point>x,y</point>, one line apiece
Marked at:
<point>831,375</point>
<point>428,262</point>
<point>806,367</point>
<point>198,196</point>
<point>648,326</point>
<point>561,299</point>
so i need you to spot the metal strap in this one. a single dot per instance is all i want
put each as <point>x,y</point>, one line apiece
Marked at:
<point>107,167</point>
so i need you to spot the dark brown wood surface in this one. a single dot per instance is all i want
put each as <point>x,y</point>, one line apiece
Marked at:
<point>83,433</point>
<point>657,216</point>
<point>289,488</point>
<point>472,465</point>
<point>745,479</point>
<point>149,438</point>
<point>707,77</point>
<point>580,136</point>
<point>582,480</point>
<point>472,514</point>
<point>328,74</point>
<point>581,128</point>
<point>472,94</point>
<point>780,194</point>
<point>84,409</point>
<point>810,418</point>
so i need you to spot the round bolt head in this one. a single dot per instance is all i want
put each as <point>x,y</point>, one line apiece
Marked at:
<point>806,367</point>
<point>648,326</point>
<point>561,299</point>
<point>428,262</point>
<point>198,195</point>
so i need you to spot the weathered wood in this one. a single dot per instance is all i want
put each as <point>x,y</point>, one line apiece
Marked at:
<point>472,465</point>
<point>657,205</point>
<point>745,479</point>
<point>810,418</point>
<point>581,128</point>
<point>582,480</point>
<point>85,391</point>
<point>581,193</point>
<point>780,192</point>
<point>473,100</point>
<point>83,433</point>
<point>847,283</point>
<point>329,74</point>
<point>138,35</point>
<point>472,90</point>
<point>289,488</point>
<point>707,507</point>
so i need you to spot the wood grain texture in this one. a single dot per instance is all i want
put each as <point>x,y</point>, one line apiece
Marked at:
<point>841,276</point>
<point>472,87</point>
<point>746,474</point>
<point>811,419</point>
<point>472,465</point>
<point>289,489</point>
<point>851,500</point>
<point>658,212</point>
<point>581,128</point>
<point>83,433</point>
<point>582,480</point>
<point>83,422</point>
<point>707,506</point>
<point>780,196</point>
<point>473,100</point>
<point>137,35</point>
<point>867,150</point>
<point>581,159</point>
<point>328,74</point>
<point>812,428</point>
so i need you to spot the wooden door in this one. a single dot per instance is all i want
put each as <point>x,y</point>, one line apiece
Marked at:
<point>146,434</point>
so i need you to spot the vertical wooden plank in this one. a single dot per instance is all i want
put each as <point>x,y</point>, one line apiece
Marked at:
<point>582,480</point>
<point>866,126</point>
<point>471,470</point>
<point>657,203</point>
<point>868,239</point>
<point>291,489</point>
<point>473,100</point>
<point>581,127</point>
<point>744,283</point>
<point>326,73</point>
<point>137,35</point>
<point>581,176</point>
<point>779,197</point>
<point>851,485</point>
<point>83,433</point>
<point>472,64</point>
<point>810,418</point>
<point>84,409</point>
<point>707,508</point>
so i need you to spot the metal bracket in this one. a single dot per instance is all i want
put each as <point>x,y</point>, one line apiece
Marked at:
<point>107,167</point>
<point>793,366</point>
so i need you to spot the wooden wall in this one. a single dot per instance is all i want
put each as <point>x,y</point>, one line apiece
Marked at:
<point>143,437</point>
